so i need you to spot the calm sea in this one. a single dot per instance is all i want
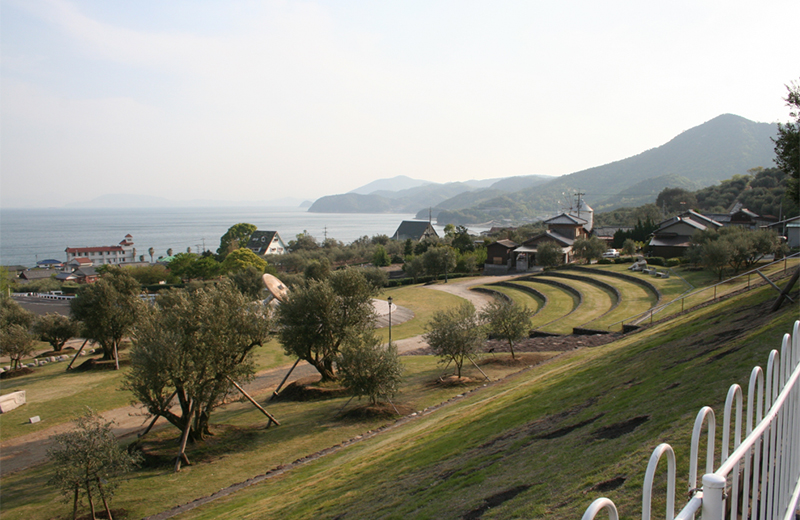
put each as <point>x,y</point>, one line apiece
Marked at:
<point>31,235</point>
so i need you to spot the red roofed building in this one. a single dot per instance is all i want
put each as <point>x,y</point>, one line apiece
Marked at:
<point>123,253</point>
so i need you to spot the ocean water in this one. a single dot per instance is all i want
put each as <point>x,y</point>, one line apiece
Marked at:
<point>31,235</point>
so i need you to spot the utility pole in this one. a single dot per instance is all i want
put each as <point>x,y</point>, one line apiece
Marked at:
<point>578,196</point>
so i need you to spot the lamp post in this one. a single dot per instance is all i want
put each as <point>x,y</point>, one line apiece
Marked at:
<point>389,299</point>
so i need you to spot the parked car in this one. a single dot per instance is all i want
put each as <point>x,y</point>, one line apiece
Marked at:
<point>611,253</point>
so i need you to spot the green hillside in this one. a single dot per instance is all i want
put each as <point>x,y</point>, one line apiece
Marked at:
<point>544,442</point>
<point>727,145</point>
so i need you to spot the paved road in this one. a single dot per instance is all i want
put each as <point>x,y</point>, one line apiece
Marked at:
<point>43,306</point>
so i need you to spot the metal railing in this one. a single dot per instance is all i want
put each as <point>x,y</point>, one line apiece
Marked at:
<point>681,298</point>
<point>760,479</point>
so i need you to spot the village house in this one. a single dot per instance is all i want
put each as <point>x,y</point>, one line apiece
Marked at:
<point>499,256</point>
<point>562,229</point>
<point>674,235</point>
<point>265,243</point>
<point>82,275</point>
<point>415,230</point>
<point>124,253</point>
<point>30,275</point>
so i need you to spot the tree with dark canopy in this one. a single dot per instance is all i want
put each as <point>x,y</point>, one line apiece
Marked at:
<point>192,345</point>
<point>108,310</point>
<point>316,321</point>
<point>56,329</point>
<point>787,144</point>
<point>236,237</point>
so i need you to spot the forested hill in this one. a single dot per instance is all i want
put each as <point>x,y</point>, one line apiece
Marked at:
<point>725,146</point>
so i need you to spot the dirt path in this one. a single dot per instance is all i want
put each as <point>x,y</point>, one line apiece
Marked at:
<point>28,450</point>
<point>462,287</point>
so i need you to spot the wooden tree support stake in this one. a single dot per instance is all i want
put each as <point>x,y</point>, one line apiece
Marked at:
<point>184,438</point>
<point>271,418</point>
<point>778,288</point>
<point>345,405</point>
<point>78,353</point>
<point>786,291</point>
<point>275,393</point>
<point>479,368</point>
<point>153,422</point>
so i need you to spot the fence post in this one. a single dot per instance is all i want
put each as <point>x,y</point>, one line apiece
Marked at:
<point>715,292</point>
<point>713,487</point>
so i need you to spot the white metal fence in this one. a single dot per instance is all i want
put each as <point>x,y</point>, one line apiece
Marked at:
<point>760,478</point>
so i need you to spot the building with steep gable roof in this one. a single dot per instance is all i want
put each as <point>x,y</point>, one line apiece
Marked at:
<point>674,235</point>
<point>265,243</point>
<point>415,230</point>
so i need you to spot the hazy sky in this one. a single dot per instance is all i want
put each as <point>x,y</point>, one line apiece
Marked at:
<point>249,100</point>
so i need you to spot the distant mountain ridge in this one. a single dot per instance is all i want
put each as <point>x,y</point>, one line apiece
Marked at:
<point>701,156</point>
<point>418,198</point>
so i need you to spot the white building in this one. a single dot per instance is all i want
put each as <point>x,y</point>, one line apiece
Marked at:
<point>121,254</point>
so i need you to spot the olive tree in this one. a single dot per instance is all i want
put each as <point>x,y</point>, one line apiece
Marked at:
<point>589,248</point>
<point>549,254</point>
<point>370,369</point>
<point>507,320</point>
<point>317,320</point>
<point>16,343</point>
<point>455,334</point>
<point>56,329</point>
<point>249,282</point>
<point>87,461</point>
<point>12,313</point>
<point>629,247</point>
<point>193,345</point>
<point>439,260</point>
<point>108,310</point>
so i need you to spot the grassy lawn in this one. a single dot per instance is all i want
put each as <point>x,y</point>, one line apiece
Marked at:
<point>543,439</point>
<point>634,299</point>
<point>241,448</point>
<point>596,301</point>
<point>58,396</point>
<point>559,303</point>
<point>518,296</point>
<point>423,301</point>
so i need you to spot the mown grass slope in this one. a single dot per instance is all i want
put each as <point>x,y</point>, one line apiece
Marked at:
<point>545,442</point>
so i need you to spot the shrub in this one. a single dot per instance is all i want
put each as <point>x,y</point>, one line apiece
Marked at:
<point>656,260</point>
<point>605,261</point>
<point>673,262</point>
<point>370,369</point>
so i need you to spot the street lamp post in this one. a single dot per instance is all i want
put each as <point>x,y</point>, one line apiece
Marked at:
<point>389,299</point>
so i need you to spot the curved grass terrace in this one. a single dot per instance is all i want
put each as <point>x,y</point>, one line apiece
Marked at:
<point>560,303</point>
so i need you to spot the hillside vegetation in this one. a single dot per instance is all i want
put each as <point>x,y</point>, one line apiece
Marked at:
<point>542,443</point>
<point>701,156</point>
